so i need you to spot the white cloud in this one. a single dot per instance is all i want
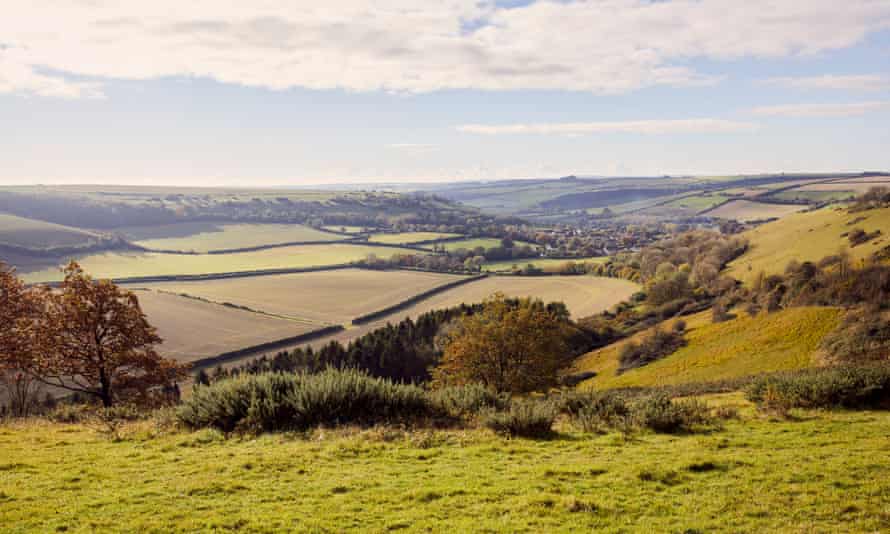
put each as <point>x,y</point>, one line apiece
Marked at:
<point>675,126</point>
<point>408,46</point>
<point>856,82</point>
<point>820,110</point>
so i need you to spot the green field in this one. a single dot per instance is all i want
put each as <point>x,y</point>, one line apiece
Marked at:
<point>204,237</point>
<point>546,264</point>
<point>484,242</point>
<point>34,234</point>
<point>407,238</point>
<point>808,237</point>
<point>697,203</point>
<point>346,229</point>
<point>125,265</point>
<point>56,478</point>
<point>788,339</point>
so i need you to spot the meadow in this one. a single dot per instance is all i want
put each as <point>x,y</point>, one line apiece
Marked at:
<point>205,237</point>
<point>75,478</point>
<point>785,340</point>
<point>192,329</point>
<point>331,297</point>
<point>746,210</point>
<point>138,264</point>
<point>470,244</point>
<point>545,264</point>
<point>34,234</point>
<point>408,238</point>
<point>808,236</point>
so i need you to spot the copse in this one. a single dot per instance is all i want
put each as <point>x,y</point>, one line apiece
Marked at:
<point>510,348</point>
<point>88,337</point>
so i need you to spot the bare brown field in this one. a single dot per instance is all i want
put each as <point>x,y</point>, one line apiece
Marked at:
<point>193,329</point>
<point>746,210</point>
<point>331,297</point>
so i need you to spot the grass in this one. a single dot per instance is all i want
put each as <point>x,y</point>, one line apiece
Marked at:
<point>697,203</point>
<point>822,472</point>
<point>122,265</point>
<point>345,229</point>
<point>546,264</point>
<point>743,346</point>
<point>192,329</point>
<point>333,297</point>
<point>407,238</point>
<point>808,237</point>
<point>470,244</point>
<point>204,237</point>
<point>815,196</point>
<point>34,234</point>
<point>746,210</point>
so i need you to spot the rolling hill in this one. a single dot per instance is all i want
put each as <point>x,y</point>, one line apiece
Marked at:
<point>785,340</point>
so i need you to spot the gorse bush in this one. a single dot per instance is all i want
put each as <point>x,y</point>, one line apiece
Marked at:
<point>601,412</point>
<point>596,412</point>
<point>468,400</point>
<point>652,347</point>
<point>269,402</point>
<point>661,414</point>
<point>838,387</point>
<point>527,418</point>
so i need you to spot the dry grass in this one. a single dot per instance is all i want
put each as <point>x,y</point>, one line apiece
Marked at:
<point>204,237</point>
<point>34,234</point>
<point>407,238</point>
<point>743,346</point>
<point>746,210</point>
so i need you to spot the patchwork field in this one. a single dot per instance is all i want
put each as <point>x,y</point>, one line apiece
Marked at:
<point>824,195</point>
<point>407,238</point>
<point>34,234</point>
<point>125,265</point>
<point>808,236</point>
<point>331,297</point>
<point>204,236</point>
<point>746,210</point>
<point>192,329</point>
<point>545,264</point>
<point>785,340</point>
<point>733,480</point>
<point>855,187</point>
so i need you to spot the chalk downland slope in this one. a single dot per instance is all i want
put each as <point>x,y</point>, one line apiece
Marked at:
<point>809,236</point>
<point>784,340</point>
<point>39,235</point>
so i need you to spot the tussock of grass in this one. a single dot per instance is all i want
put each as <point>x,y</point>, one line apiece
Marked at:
<point>785,340</point>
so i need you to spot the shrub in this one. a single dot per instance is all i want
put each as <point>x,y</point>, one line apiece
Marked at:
<point>525,418</point>
<point>598,412</point>
<point>653,347</point>
<point>837,387</point>
<point>662,415</point>
<point>269,402</point>
<point>468,400</point>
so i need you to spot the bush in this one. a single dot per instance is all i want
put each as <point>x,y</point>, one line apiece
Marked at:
<point>525,418</point>
<point>269,402</point>
<point>598,412</point>
<point>652,347</point>
<point>468,400</point>
<point>838,387</point>
<point>662,415</point>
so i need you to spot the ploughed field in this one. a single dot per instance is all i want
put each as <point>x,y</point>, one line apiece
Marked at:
<point>143,264</point>
<point>207,236</point>
<point>192,329</point>
<point>330,297</point>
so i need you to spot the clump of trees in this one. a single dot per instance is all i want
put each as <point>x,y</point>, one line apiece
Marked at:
<point>875,197</point>
<point>87,337</point>
<point>651,347</point>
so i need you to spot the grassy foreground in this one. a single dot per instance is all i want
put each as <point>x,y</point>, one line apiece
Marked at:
<point>821,472</point>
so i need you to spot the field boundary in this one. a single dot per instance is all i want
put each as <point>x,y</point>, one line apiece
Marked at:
<point>389,310</point>
<point>204,363</point>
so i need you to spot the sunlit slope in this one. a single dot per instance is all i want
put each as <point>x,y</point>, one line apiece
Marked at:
<point>788,339</point>
<point>34,234</point>
<point>809,237</point>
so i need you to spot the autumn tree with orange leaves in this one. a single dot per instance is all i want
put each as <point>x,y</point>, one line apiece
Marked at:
<point>516,347</point>
<point>96,340</point>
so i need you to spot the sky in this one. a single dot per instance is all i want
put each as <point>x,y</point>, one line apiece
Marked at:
<point>299,92</point>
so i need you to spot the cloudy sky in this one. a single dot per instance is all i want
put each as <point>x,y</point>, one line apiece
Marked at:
<point>279,92</point>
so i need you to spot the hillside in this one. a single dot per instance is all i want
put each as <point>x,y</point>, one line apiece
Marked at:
<point>39,235</point>
<point>788,339</point>
<point>808,236</point>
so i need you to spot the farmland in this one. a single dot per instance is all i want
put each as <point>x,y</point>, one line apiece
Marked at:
<point>470,244</point>
<point>545,264</point>
<point>743,346</point>
<point>330,297</point>
<point>808,237</point>
<point>407,238</point>
<point>746,210</point>
<point>136,264</point>
<point>34,234</point>
<point>192,329</point>
<point>204,237</point>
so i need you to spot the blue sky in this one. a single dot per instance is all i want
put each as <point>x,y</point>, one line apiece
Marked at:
<point>292,93</point>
